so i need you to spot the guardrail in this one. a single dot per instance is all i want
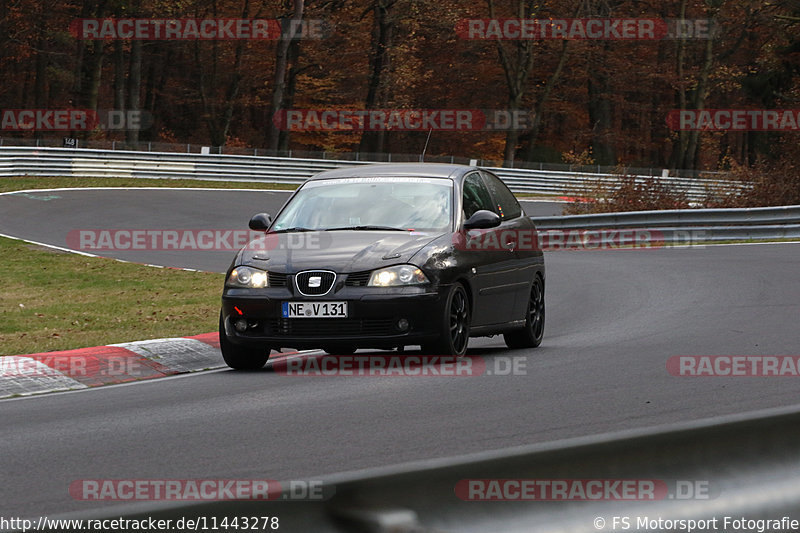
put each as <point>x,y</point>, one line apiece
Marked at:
<point>680,226</point>
<point>789,214</point>
<point>383,157</point>
<point>744,466</point>
<point>688,226</point>
<point>577,183</point>
<point>40,161</point>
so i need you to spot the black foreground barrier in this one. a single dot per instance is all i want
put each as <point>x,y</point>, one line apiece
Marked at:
<point>735,473</point>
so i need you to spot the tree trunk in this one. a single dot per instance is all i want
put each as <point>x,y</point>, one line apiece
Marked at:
<point>700,95</point>
<point>538,110</point>
<point>119,76</point>
<point>134,89</point>
<point>379,64</point>
<point>676,160</point>
<point>600,117</point>
<point>516,73</point>
<point>279,78</point>
<point>291,86</point>
<point>92,66</point>
<point>40,63</point>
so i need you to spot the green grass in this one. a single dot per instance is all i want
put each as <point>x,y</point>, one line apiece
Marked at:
<point>58,301</point>
<point>55,182</point>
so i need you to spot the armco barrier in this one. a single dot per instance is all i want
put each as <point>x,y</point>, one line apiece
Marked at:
<point>743,466</point>
<point>678,217</point>
<point>40,161</point>
<point>689,226</point>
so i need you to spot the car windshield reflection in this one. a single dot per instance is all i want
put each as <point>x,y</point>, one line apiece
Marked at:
<point>370,204</point>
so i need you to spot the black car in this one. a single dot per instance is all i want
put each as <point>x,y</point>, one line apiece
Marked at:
<point>386,256</point>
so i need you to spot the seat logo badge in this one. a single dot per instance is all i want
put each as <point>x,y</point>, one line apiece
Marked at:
<point>314,281</point>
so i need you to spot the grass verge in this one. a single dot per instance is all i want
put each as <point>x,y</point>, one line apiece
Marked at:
<point>59,301</point>
<point>55,182</point>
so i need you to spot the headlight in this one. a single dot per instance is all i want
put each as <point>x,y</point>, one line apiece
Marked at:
<point>397,276</point>
<point>248,277</point>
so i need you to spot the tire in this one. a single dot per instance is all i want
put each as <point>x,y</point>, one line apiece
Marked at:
<point>531,335</point>
<point>241,357</point>
<point>343,350</point>
<point>455,325</point>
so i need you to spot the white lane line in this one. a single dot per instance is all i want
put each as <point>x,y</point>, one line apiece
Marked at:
<point>58,189</point>
<point>68,250</point>
<point>86,254</point>
<point>59,248</point>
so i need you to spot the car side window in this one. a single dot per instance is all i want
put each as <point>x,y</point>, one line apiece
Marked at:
<point>507,205</point>
<point>476,195</point>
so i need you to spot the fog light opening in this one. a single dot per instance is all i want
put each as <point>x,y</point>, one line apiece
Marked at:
<point>402,324</point>
<point>240,325</point>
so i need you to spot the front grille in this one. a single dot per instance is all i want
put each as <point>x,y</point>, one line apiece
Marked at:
<point>277,279</point>
<point>325,278</point>
<point>358,279</point>
<point>329,327</point>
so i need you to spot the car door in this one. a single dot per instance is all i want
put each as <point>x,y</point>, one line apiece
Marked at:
<point>518,232</point>
<point>486,254</point>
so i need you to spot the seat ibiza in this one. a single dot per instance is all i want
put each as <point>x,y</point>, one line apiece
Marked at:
<point>386,256</point>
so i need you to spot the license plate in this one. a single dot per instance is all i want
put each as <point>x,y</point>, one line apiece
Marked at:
<point>314,309</point>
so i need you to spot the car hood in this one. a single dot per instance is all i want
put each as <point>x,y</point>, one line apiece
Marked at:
<point>340,251</point>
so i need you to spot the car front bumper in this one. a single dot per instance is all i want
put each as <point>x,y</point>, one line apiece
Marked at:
<point>372,318</point>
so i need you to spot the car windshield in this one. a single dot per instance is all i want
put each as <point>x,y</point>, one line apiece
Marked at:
<point>370,204</point>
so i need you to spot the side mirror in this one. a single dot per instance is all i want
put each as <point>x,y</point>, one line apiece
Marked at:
<point>482,219</point>
<point>260,222</point>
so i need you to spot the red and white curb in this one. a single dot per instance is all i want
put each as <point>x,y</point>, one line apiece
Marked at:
<point>24,375</point>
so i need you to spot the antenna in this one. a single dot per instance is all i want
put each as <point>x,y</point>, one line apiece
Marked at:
<point>422,156</point>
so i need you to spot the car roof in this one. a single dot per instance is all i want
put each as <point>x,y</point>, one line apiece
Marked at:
<point>428,170</point>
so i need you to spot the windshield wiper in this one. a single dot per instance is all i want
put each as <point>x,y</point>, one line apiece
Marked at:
<point>286,230</point>
<point>367,228</point>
